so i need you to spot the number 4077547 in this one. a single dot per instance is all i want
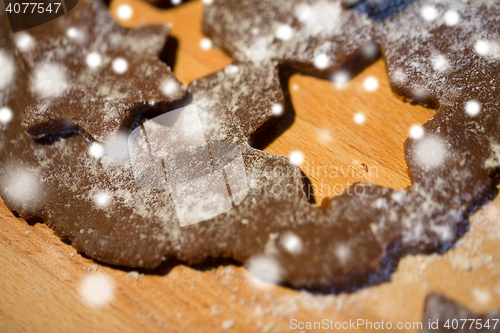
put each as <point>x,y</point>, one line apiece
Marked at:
<point>32,7</point>
<point>471,323</point>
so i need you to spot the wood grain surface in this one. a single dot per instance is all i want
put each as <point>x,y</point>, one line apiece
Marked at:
<point>45,286</point>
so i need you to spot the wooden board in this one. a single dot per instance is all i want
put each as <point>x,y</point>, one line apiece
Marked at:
<point>45,286</point>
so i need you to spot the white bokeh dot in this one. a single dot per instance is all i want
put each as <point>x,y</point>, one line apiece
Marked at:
<point>73,33</point>
<point>482,47</point>
<point>445,233</point>
<point>430,152</point>
<point>416,132</point>
<point>284,32</point>
<point>50,80</point>
<point>170,87</point>
<point>231,69</point>
<point>96,290</point>
<point>321,61</point>
<point>296,158</point>
<point>418,93</point>
<point>472,108</point>
<point>117,147</point>
<point>429,13</point>
<point>277,109</point>
<point>5,115</point>
<point>124,12</point>
<point>451,17</point>
<point>24,42</point>
<point>22,186</point>
<point>291,242</point>
<point>324,136</point>
<point>102,199</point>
<point>359,118</point>
<point>208,2</point>
<point>341,78</point>
<point>370,51</point>
<point>440,63</point>
<point>93,60</point>
<point>119,65</point>
<point>96,150</point>
<point>343,252</point>
<point>176,2</point>
<point>482,296</point>
<point>206,44</point>
<point>264,268</point>
<point>370,83</point>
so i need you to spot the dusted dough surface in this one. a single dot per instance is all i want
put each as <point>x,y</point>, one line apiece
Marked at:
<point>42,275</point>
<point>348,236</point>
